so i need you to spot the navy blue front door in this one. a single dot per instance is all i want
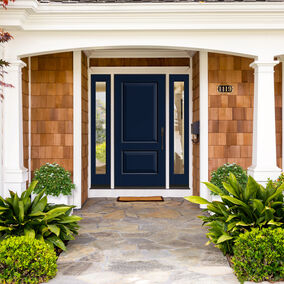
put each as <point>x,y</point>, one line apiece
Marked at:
<point>139,130</point>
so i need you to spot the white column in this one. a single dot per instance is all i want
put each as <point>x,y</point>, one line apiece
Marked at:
<point>77,128</point>
<point>203,113</point>
<point>14,173</point>
<point>264,163</point>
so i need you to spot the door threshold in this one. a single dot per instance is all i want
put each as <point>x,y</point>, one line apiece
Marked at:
<point>177,192</point>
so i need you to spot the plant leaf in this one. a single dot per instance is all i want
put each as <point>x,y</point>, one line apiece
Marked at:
<point>21,211</point>
<point>214,188</point>
<point>54,229</point>
<point>197,199</point>
<point>235,201</point>
<point>70,219</point>
<point>29,232</point>
<point>40,205</point>
<point>224,238</point>
<point>57,242</point>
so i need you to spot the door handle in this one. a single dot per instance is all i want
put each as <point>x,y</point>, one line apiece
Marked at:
<point>162,137</point>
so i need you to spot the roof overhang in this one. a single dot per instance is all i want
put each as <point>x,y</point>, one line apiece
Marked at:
<point>33,16</point>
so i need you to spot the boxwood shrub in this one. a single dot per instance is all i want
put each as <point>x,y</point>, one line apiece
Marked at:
<point>259,255</point>
<point>26,260</point>
<point>222,175</point>
<point>54,179</point>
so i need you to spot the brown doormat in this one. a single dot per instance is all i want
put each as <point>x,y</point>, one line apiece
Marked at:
<point>140,199</point>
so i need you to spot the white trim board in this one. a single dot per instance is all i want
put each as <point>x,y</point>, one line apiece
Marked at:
<point>140,70</point>
<point>139,192</point>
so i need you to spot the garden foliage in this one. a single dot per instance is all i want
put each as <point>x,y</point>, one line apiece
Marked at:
<point>20,215</point>
<point>54,179</point>
<point>26,260</point>
<point>259,255</point>
<point>241,210</point>
<point>222,175</point>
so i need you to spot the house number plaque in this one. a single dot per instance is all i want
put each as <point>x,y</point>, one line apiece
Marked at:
<point>225,89</point>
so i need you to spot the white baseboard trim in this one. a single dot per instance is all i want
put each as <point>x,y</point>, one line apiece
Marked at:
<point>139,192</point>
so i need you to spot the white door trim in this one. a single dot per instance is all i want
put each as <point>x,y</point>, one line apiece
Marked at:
<point>134,192</point>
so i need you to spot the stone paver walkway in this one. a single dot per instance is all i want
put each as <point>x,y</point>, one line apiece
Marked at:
<point>141,243</point>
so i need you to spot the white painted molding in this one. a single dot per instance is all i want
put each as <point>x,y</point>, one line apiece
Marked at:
<point>138,192</point>
<point>203,116</point>
<point>31,15</point>
<point>139,53</point>
<point>30,121</point>
<point>112,138</point>
<point>167,127</point>
<point>77,128</point>
<point>264,161</point>
<point>190,122</point>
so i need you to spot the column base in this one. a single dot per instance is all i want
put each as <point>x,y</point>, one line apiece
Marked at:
<point>15,180</point>
<point>261,175</point>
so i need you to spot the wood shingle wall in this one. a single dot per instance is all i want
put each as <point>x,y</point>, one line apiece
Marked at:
<point>230,115</point>
<point>85,120</point>
<point>195,102</point>
<point>52,110</point>
<point>278,112</point>
<point>25,101</point>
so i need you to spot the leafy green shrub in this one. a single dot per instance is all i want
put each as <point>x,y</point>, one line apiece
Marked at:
<point>26,260</point>
<point>101,152</point>
<point>222,175</point>
<point>242,209</point>
<point>279,181</point>
<point>259,255</point>
<point>37,219</point>
<point>54,179</point>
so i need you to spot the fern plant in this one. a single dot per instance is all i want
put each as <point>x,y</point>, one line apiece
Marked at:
<point>242,209</point>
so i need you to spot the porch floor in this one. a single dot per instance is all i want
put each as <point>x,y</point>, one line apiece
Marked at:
<point>141,243</point>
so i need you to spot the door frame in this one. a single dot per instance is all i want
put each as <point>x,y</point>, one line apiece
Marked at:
<point>142,70</point>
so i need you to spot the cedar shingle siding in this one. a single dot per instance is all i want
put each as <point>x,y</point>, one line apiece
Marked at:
<point>85,120</point>
<point>52,110</point>
<point>195,102</point>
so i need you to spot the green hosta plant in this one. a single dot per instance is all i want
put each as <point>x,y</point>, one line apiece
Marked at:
<point>26,260</point>
<point>20,215</point>
<point>222,175</point>
<point>242,209</point>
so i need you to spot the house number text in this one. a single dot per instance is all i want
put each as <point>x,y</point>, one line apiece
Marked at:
<point>225,89</point>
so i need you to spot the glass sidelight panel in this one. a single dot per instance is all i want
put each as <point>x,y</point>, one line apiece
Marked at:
<point>179,131</point>
<point>100,130</point>
<point>100,127</point>
<point>178,127</point>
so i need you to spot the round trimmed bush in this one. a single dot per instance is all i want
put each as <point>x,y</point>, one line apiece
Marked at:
<point>54,179</point>
<point>259,255</point>
<point>26,260</point>
<point>222,175</point>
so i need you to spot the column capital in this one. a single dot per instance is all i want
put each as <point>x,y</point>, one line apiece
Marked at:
<point>280,58</point>
<point>264,63</point>
<point>15,64</point>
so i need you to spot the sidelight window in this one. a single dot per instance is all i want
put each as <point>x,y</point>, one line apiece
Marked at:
<point>179,120</point>
<point>100,130</point>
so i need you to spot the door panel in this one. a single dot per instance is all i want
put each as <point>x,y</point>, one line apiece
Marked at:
<point>139,130</point>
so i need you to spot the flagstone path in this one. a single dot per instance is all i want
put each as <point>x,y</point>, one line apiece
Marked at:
<point>141,243</point>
